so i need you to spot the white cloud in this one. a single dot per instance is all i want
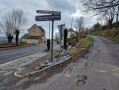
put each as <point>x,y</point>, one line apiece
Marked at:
<point>68,9</point>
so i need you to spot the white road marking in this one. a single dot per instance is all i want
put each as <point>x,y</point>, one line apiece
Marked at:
<point>25,57</point>
<point>15,52</point>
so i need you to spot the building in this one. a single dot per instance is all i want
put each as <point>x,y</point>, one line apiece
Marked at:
<point>36,35</point>
<point>71,33</point>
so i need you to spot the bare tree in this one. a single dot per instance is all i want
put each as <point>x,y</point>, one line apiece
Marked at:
<point>12,23</point>
<point>19,20</point>
<point>79,23</point>
<point>7,27</point>
<point>107,8</point>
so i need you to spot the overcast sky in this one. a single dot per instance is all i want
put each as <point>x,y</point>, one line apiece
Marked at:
<point>68,8</point>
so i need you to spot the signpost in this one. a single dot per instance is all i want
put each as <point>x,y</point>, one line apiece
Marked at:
<point>48,12</point>
<point>61,31</point>
<point>48,17</point>
<point>55,15</point>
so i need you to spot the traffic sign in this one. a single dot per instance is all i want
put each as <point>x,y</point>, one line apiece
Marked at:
<point>48,12</point>
<point>48,17</point>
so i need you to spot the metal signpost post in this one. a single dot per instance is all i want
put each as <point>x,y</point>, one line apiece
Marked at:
<point>55,15</point>
<point>61,30</point>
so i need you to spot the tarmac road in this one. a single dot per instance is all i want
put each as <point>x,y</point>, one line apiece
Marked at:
<point>9,55</point>
<point>97,70</point>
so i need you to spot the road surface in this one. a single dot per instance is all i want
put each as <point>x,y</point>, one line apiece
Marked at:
<point>9,55</point>
<point>97,70</point>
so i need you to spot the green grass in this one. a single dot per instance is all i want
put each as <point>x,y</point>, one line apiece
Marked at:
<point>112,34</point>
<point>97,33</point>
<point>86,42</point>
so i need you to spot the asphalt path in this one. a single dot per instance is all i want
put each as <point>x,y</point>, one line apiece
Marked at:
<point>97,70</point>
<point>9,55</point>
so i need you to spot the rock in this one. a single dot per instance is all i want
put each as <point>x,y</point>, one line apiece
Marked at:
<point>69,47</point>
<point>64,52</point>
<point>37,68</point>
<point>47,61</point>
<point>49,64</point>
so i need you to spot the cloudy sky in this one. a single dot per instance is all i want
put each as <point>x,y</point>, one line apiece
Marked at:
<point>68,8</point>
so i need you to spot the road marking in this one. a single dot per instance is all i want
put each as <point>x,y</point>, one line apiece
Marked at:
<point>15,52</point>
<point>101,71</point>
<point>26,57</point>
<point>10,62</point>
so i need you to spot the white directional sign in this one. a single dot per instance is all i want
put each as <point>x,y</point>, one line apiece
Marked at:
<point>47,12</point>
<point>48,17</point>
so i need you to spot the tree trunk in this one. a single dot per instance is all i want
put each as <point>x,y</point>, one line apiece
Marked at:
<point>110,23</point>
<point>16,40</point>
<point>9,37</point>
<point>17,36</point>
<point>117,18</point>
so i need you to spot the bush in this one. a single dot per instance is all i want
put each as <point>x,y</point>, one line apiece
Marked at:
<point>74,52</point>
<point>48,44</point>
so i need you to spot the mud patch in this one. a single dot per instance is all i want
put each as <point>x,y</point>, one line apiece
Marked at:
<point>86,65</point>
<point>68,72</point>
<point>81,80</point>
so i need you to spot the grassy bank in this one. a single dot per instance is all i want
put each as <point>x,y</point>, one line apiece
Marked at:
<point>112,34</point>
<point>84,44</point>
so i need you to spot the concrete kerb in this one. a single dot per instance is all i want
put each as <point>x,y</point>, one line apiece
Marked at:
<point>44,69</point>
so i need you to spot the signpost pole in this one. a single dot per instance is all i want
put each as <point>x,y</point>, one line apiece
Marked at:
<point>49,29</point>
<point>60,39</point>
<point>52,41</point>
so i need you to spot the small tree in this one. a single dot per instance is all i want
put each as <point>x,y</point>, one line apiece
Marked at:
<point>65,38</point>
<point>79,23</point>
<point>97,25</point>
<point>48,44</point>
<point>6,26</point>
<point>18,20</point>
<point>12,23</point>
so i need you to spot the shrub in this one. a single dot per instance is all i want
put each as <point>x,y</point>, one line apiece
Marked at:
<point>48,44</point>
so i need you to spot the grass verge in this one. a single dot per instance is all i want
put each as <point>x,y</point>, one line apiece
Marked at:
<point>83,46</point>
<point>112,34</point>
<point>86,42</point>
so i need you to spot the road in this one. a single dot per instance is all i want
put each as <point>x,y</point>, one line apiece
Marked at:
<point>9,55</point>
<point>13,54</point>
<point>97,70</point>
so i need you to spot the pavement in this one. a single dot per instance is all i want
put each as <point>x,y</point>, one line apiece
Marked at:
<point>97,70</point>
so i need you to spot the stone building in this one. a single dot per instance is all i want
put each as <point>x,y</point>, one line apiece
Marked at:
<point>35,35</point>
<point>71,33</point>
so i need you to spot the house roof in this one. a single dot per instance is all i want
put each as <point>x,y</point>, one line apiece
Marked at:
<point>27,36</point>
<point>41,29</point>
<point>71,30</point>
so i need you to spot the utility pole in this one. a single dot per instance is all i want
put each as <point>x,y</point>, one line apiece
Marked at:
<point>71,22</point>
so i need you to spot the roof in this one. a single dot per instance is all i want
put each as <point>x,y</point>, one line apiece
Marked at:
<point>71,30</point>
<point>41,29</point>
<point>38,27</point>
<point>26,36</point>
